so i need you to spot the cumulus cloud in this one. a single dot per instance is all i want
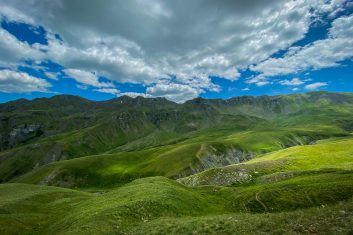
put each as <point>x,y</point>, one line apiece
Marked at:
<point>114,58</point>
<point>156,43</point>
<point>173,91</point>
<point>135,94</point>
<point>19,82</point>
<point>293,82</point>
<point>51,75</point>
<point>112,91</point>
<point>259,80</point>
<point>86,78</point>
<point>13,51</point>
<point>315,85</point>
<point>10,13</point>
<point>317,55</point>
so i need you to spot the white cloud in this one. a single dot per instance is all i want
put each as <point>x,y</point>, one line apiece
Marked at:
<point>86,78</point>
<point>246,89</point>
<point>315,85</point>
<point>111,57</point>
<point>259,80</point>
<point>197,81</point>
<point>293,82</point>
<point>19,82</point>
<point>317,55</point>
<point>158,41</point>
<point>13,51</point>
<point>112,91</point>
<point>173,91</point>
<point>52,75</point>
<point>13,14</point>
<point>135,94</point>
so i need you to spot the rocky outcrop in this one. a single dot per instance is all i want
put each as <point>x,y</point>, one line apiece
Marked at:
<point>23,133</point>
<point>210,157</point>
<point>54,154</point>
<point>218,177</point>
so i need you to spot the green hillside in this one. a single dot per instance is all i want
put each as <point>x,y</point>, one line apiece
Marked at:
<point>328,155</point>
<point>173,160</point>
<point>321,203</point>
<point>246,165</point>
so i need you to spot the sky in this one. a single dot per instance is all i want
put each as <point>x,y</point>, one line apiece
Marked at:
<point>178,49</point>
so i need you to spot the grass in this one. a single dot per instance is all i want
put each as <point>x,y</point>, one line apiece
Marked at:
<point>138,128</point>
<point>122,161</point>
<point>174,160</point>
<point>277,199</point>
<point>334,154</point>
<point>323,220</point>
<point>28,209</point>
<point>158,205</point>
<point>223,132</point>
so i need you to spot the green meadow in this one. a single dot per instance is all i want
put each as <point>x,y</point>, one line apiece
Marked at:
<point>258,165</point>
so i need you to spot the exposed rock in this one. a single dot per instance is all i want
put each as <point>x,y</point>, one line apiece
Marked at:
<point>231,156</point>
<point>54,154</point>
<point>49,178</point>
<point>221,177</point>
<point>210,157</point>
<point>57,178</point>
<point>23,133</point>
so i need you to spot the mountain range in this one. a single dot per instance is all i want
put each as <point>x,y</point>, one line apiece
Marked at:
<point>255,165</point>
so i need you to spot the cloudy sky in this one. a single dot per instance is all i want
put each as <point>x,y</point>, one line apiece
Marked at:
<point>174,49</point>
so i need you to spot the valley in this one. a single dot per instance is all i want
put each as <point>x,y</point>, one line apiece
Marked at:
<point>250,165</point>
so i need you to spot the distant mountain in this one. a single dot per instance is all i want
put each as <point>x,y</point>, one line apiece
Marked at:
<point>45,130</point>
<point>268,164</point>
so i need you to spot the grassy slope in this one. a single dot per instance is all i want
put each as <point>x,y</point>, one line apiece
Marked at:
<point>28,209</point>
<point>327,220</point>
<point>171,160</point>
<point>125,124</point>
<point>163,206</point>
<point>336,154</point>
<point>302,189</point>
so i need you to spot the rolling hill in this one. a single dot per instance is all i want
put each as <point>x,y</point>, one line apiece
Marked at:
<point>250,165</point>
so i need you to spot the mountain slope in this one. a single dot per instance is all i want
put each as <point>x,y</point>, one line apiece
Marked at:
<point>250,165</point>
<point>159,205</point>
<point>174,160</point>
<point>329,155</point>
<point>127,124</point>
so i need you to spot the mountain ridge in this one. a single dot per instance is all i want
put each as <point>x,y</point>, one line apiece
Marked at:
<point>162,98</point>
<point>67,127</point>
<point>131,165</point>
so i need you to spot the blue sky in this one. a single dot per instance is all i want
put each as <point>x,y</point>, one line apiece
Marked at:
<point>212,49</point>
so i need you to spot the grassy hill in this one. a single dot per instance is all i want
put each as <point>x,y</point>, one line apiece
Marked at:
<point>305,204</point>
<point>127,124</point>
<point>172,160</point>
<point>329,155</point>
<point>247,165</point>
